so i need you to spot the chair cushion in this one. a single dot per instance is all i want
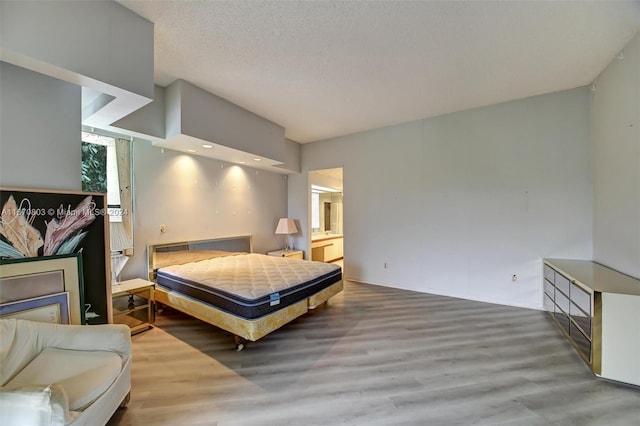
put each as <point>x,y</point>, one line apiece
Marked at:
<point>84,375</point>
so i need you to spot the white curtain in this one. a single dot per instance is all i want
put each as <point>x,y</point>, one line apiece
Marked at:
<point>123,154</point>
<point>122,231</point>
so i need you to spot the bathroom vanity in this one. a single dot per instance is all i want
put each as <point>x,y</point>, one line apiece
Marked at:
<point>327,247</point>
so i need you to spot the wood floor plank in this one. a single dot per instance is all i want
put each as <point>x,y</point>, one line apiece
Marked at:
<point>376,356</point>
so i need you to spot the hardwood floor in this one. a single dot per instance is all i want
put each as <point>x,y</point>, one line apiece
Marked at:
<point>373,356</point>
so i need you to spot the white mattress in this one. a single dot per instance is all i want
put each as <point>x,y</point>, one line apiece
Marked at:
<point>251,276</point>
<point>249,285</point>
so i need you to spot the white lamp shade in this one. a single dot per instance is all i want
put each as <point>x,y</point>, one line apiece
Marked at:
<point>286,226</point>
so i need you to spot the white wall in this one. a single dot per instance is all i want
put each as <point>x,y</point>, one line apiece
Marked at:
<point>616,162</point>
<point>199,198</point>
<point>457,204</point>
<point>39,130</point>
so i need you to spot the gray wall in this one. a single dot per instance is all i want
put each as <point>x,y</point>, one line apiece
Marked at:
<point>195,197</point>
<point>616,163</point>
<point>198,198</point>
<point>81,42</point>
<point>149,120</point>
<point>39,130</point>
<point>458,204</point>
<point>211,118</point>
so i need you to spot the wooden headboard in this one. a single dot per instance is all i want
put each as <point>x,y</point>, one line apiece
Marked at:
<point>241,243</point>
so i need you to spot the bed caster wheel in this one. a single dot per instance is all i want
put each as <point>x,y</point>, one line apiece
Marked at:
<point>239,343</point>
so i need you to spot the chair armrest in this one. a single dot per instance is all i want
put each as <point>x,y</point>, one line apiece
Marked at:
<point>23,340</point>
<point>106,337</point>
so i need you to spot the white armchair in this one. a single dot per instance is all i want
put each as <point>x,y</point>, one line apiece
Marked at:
<point>62,374</point>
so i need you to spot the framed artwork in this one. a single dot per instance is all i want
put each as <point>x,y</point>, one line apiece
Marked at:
<point>27,279</point>
<point>40,223</point>
<point>31,285</point>
<point>53,308</point>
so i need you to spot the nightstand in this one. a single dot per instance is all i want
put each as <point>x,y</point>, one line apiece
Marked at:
<point>132,302</point>
<point>295,254</point>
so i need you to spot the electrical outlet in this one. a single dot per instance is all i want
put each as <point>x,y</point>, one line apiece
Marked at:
<point>163,228</point>
<point>514,278</point>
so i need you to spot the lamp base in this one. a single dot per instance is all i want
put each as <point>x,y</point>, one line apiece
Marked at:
<point>287,246</point>
<point>118,260</point>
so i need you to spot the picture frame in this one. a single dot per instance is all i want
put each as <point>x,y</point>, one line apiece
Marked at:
<point>54,223</point>
<point>20,276</point>
<point>52,308</point>
<point>13,289</point>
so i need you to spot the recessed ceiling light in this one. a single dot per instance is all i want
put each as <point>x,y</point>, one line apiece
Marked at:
<point>207,146</point>
<point>191,150</point>
<point>257,159</point>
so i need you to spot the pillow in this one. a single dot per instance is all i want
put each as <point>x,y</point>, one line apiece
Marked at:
<point>34,405</point>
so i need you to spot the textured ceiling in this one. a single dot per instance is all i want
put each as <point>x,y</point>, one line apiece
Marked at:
<point>325,68</point>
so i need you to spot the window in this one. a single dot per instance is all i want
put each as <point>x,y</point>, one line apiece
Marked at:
<point>106,168</point>
<point>100,170</point>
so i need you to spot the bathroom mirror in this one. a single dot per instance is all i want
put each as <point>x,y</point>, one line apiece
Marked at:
<point>326,210</point>
<point>326,202</point>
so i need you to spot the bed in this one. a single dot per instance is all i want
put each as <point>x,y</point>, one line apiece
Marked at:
<point>224,283</point>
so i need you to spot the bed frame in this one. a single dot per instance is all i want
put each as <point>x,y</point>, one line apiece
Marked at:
<point>243,329</point>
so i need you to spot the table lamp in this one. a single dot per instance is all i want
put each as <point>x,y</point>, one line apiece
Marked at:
<point>286,227</point>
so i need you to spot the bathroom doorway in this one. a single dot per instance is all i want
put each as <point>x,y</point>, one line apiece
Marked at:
<point>327,215</point>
